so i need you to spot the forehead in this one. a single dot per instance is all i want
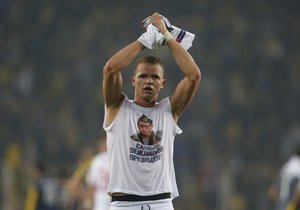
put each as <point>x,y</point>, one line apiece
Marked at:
<point>148,68</point>
<point>144,123</point>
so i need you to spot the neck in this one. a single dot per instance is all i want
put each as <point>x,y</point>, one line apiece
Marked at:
<point>143,102</point>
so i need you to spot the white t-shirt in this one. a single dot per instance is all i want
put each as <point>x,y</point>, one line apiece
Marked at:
<point>289,179</point>
<point>98,176</point>
<point>136,168</point>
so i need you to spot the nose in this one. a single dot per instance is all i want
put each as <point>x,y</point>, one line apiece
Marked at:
<point>149,80</point>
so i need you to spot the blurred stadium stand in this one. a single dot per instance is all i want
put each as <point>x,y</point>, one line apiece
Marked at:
<point>238,131</point>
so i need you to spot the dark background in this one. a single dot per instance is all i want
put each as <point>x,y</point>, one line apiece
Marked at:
<point>238,131</point>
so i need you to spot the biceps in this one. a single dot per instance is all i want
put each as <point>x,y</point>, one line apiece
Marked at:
<point>183,95</point>
<point>112,89</point>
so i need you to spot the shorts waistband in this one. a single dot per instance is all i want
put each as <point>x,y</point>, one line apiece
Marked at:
<point>128,197</point>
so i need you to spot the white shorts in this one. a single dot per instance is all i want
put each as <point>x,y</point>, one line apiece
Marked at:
<point>164,204</point>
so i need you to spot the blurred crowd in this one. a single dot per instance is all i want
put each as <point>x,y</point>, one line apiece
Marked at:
<point>239,130</point>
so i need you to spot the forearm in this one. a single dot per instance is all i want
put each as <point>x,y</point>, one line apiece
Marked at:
<point>112,78</point>
<point>184,60</point>
<point>182,57</point>
<point>124,57</point>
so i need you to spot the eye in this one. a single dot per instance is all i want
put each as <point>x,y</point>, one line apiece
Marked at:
<point>142,76</point>
<point>155,77</point>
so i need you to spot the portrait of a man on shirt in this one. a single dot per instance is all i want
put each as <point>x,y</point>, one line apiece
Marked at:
<point>146,135</point>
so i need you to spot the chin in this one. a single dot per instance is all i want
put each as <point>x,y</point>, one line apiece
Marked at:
<point>148,99</point>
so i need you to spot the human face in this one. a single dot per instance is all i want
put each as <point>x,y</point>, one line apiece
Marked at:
<point>145,128</point>
<point>148,80</point>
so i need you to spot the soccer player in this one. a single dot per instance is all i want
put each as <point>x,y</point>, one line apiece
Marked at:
<point>97,179</point>
<point>287,193</point>
<point>142,176</point>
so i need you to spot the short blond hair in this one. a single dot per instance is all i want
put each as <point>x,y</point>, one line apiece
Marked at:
<point>150,59</point>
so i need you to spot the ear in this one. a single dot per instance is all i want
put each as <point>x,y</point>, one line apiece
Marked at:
<point>133,81</point>
<point>163,83</point>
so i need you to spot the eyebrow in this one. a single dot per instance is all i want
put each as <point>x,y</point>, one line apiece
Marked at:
<point>145,74</point>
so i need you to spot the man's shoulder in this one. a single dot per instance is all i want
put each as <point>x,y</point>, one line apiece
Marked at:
<point>165,102</point>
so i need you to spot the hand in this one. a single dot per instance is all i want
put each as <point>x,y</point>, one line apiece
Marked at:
<point>157,20</point>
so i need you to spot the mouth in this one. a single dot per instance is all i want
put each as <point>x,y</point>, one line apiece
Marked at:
<point>148,89</point>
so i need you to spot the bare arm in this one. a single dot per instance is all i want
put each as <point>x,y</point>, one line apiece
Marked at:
<point>187,87</point>
<point>112,78</point>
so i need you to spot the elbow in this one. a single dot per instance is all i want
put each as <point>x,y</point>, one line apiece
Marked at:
<point>196,76</point>
<point>109,69</point>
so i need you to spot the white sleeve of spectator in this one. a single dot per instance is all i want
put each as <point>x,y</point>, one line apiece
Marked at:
<point>91,174</point>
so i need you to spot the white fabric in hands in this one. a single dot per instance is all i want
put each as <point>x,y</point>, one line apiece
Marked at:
<point>183,37</point>
<point>152,38</point>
